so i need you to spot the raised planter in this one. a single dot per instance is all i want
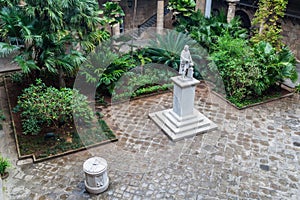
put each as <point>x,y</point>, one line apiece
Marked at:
<point>5,175</point>
<point>285,92</point>
<point>33,156</point>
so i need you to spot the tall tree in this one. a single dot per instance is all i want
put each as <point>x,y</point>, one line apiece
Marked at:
<point>50,35</point>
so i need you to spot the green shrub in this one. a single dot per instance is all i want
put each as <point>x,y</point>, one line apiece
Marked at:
<point>141,91</point>
<point>4,164</point>
<point>207,30</point>
<point>297,88</point>
<point>17,77</point>
<point>2,118</point>
<point>248,71</point>
<point>182,7</point>
<point>41,105</point>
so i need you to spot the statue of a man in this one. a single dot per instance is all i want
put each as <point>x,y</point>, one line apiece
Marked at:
<point>186,63</point>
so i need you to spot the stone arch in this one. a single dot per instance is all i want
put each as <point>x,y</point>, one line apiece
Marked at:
<point>245,19</point>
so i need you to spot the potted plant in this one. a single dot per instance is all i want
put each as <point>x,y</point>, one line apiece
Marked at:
<point>4,164</point>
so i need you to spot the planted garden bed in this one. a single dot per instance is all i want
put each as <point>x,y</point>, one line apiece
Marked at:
<point>53,141</point>
<point>270,95</point>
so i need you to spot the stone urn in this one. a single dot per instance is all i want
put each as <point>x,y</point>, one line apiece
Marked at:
<point>96,178</point>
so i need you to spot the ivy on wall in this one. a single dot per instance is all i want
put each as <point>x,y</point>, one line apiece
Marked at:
<point>267,19</point>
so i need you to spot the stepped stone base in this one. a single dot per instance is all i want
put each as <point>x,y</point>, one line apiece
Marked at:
<point>178,128</point>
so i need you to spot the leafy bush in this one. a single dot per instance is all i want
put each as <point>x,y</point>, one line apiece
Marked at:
<point>41,105</point>
<point>4,164</point>
<point>248,71</point>
<point>113,13</point>
<point>297,88</point>
<point>182,7</point>
<point>17,77</point>
<point>134,83</point>
<point>114,72</point>
<point>141,91</point>
<point>207,30</point>
<point>2,118</point>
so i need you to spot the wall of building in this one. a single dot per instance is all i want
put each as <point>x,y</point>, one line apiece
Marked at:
<point>290,27</point>
<point>145,9</point>
<point>291,35</point>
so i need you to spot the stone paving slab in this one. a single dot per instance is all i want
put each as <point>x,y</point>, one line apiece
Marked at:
<point>252,155</point>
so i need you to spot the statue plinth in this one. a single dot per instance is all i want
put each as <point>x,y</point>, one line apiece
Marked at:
<point>182,120</point>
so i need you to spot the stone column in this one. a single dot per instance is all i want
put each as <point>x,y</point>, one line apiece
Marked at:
<point>208,8</point>
<point>160,17</point>
<point>116,27</point>
<point>200,5</point>
<point>231,9</point>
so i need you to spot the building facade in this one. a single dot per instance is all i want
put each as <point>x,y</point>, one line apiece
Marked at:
<point>144,12</point>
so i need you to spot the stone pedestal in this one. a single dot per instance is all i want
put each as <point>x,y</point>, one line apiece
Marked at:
<point>182,120</point>
<point>96,179</point>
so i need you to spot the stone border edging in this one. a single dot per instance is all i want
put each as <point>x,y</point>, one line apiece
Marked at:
<point>35,160</point>
<point>1,189</point>
<point>258,103</point>
<point>137,98</point>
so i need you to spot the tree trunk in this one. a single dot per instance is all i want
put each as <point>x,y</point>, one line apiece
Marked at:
<point>62,82</point>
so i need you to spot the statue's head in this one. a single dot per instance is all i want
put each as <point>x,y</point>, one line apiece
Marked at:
<point>186,47</point>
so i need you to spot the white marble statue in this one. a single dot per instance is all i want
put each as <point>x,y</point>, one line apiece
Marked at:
<point>186,63</point>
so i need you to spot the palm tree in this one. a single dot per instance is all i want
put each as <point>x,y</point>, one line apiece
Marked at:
<point>51,35</point>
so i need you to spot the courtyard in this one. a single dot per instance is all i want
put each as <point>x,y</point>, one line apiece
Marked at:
<point>73,71</point>
<point>254,154</point>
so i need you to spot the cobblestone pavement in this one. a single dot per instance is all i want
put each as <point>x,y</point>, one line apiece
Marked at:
<point>254,154</point>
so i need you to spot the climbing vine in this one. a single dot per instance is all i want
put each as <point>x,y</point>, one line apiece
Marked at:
<point>267,20</point>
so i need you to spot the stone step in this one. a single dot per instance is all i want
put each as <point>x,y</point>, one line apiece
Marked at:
<point>182,123</point>
<point>178,133</point>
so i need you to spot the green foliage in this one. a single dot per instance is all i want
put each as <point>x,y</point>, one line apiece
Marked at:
<point>297,88</point>
<point>182,7</point>
<point>248,71</point>
<point>48,34</point>
<point>134,84</point>
<point>141,91</point>
<point>207,30</point>
<point>17,77</point>
<point>2,118</point>
<point>267,18</point>
<point>41,105</point>
<point>104,67</point>
<point>4,164</point>
<point>166,49</point>
<point>114,72</point>
<point>113,13</point>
